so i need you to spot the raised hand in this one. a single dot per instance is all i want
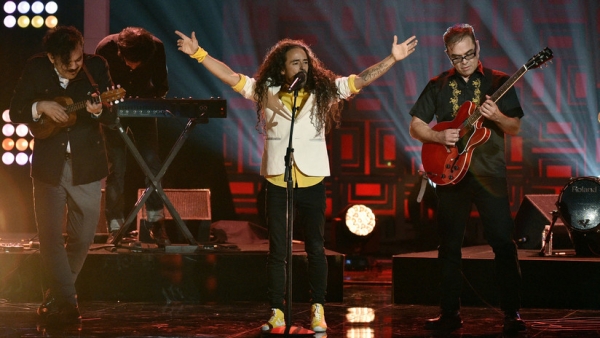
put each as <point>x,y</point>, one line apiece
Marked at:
<point>188,45</point>
<point>404,49</point>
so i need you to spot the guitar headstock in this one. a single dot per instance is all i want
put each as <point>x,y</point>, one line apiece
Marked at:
<point>114,95</point>
<point>540,59</point>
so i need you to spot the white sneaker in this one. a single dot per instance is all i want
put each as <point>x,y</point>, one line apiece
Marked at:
<point>317,321</point>
<point>277,320</point>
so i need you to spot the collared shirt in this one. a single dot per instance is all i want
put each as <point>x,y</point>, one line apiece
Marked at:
<point>445,93</point>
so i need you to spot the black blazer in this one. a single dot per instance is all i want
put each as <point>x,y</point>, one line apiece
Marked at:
<point>39,82</point>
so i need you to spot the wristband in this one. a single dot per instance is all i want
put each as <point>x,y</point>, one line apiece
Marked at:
<point>199,55</point>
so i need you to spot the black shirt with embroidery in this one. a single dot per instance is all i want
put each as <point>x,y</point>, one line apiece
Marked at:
<point>445,93</point>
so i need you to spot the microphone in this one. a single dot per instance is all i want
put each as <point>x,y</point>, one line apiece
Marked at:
<point>299,81</point>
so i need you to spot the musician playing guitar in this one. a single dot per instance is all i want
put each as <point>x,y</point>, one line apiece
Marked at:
<point>451,98</point>
<point>68,165</point>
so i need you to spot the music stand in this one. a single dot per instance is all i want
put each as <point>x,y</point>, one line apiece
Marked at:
<point>154,181</point>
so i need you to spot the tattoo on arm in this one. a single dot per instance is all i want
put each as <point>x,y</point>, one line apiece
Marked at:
<point>376,71</point>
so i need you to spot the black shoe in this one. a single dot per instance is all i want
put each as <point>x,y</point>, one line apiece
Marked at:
<point>513,322</point>
<point>56,312</point>
<point>49,305</point>
<point>445,322</point>
<point>159,234</point>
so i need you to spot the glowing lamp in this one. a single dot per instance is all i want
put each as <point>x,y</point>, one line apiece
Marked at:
<point>360,220</point>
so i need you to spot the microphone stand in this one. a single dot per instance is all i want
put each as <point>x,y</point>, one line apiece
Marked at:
<point>289,215</point>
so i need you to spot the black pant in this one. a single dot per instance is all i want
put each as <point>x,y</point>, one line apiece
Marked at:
<point>310,210</point>
<point>490,196</point>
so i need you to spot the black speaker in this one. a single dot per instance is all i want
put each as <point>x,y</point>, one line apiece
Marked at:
<point>533,215</point>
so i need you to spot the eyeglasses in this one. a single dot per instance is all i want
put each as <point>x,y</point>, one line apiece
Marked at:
<point>459,59</point>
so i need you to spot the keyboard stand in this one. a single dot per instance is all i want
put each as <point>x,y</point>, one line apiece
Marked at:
<point>154,184</point>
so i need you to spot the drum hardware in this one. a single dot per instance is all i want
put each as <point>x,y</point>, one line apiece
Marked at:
<point>578,206</point>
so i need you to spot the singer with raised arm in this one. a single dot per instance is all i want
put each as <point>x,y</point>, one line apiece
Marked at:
<point>290,66</point>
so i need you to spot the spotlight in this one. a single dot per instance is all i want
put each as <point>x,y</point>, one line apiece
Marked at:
<point>10,7</point>
<point>23,7</point>
<point>8,158</point>
<point>37,7</point>
<point>37,21</point>
<point>23,21</point>
<point>360,220</point>
<point>51,7</point>
<point>354,234</point>
<point>10,21</point>
<point>51,21</point>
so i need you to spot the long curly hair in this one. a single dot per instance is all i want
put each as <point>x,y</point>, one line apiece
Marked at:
<point>320,82</point>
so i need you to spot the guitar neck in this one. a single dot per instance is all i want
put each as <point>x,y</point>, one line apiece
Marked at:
<point>470,121</point>
<point>80,105</point>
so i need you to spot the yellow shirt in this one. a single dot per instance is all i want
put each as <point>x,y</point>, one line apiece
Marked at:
<point>301,180</point>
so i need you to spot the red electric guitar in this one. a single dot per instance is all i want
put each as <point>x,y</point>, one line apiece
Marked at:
<point>46,127</point>
<point>448,165</point>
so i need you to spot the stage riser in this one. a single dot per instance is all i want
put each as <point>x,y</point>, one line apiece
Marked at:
<point>548,282</point>
<point>159,277</point>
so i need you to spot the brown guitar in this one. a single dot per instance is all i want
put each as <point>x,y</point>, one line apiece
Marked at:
<point>448,165</point>
<point>46,127</point>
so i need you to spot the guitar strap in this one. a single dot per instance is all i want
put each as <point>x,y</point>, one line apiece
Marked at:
<point>94,84</point>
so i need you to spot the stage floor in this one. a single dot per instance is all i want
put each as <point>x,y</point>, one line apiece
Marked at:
<point>369,306</point>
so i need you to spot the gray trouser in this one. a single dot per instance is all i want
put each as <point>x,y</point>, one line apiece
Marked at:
<point>61,262</point>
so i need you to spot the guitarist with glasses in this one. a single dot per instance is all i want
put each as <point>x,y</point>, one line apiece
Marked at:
<point>446,97</point>
<point>69,160</point>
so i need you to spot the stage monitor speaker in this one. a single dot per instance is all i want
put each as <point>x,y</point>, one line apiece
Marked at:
<point>238,232</point>
<point>533,215</point>
<point>193,206</point>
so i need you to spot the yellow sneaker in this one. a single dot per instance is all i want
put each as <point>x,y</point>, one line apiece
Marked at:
<point>317,321</point>
<point>277,320</point>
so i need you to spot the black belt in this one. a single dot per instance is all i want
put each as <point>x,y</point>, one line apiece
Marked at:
<point>67,156</point>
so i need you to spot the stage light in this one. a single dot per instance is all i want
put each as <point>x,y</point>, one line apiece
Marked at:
<point>31,144</point>
<point>23,21</point>
<point>9,7</point>
<point>8,144</point>
<point>360,220</point>
<point>22,130</point>
<point>22,144</point>
<point>8,130</point>
<point>360,332</point>
<point>360,315</point>
<point>37,7</point>
<point>37,21</point>
<point>10,21</point>
<point>51,21</point>
<point>51,7</point>
<point>23,7</point>
<point>8,158</point>
<point>22,159</point>
<point>6,116</point>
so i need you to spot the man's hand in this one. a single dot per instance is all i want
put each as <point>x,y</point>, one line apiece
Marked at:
<point>186,44</point>
<point>404,49</point>
<point>54,110</point>
<point>449,137</point>
<point>490,110</point>
<point>93,108</point>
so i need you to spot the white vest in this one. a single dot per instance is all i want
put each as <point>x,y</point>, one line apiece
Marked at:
<point>310,150</point>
